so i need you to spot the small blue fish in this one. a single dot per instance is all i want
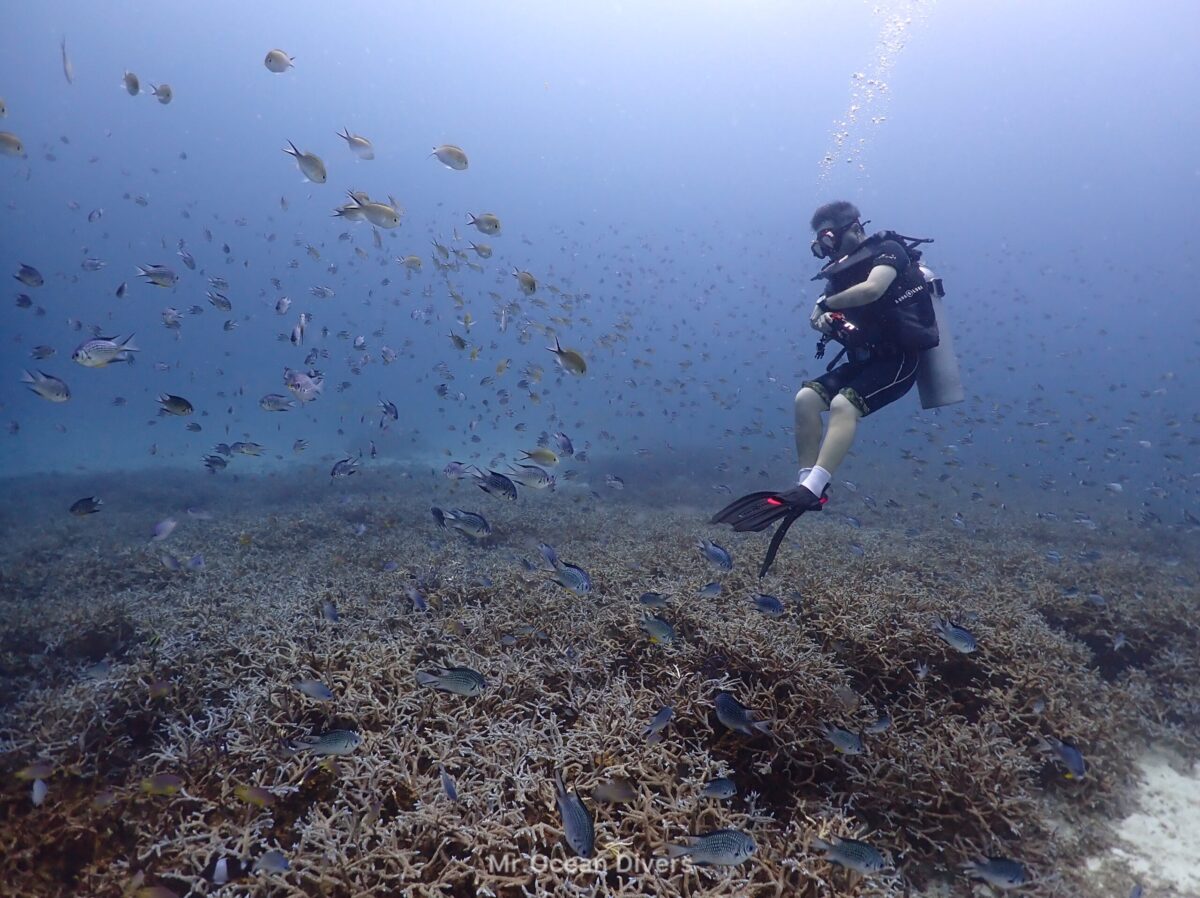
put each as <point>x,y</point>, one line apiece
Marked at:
<point>653,732</point>
<point>719,848</point>
<point>578,829</point>
<point>659,630</point>
<point>715,554</point>
<point>844,741</point>
<point>418,600</point>
<point>853,855</point>
<point>958,638</point>
<point>881,724</point>
<point>315,690</point>
<point>565,447</point>
<point>495,483</point>
<point>1001,872</point>
<point>163,529</point>
<point>196,563</point>
<point>274,861</point>
<point>709,590</point>
<point>448,785</point>
<point>334,742</point>
<point>344,468</point>
<point>1071,757</point>
<point>468,523</point>
<point>569,576</point>
<point>737,717</point>
<point>459,680</point>
<point>720,788</point>
<point>768,605</point>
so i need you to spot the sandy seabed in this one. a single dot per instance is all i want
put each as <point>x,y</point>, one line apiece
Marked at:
<point>119,669</point>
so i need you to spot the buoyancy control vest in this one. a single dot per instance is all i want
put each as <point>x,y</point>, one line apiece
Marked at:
<point>904,315</point>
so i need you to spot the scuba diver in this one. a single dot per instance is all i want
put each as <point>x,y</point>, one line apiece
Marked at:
<point>882,306</point>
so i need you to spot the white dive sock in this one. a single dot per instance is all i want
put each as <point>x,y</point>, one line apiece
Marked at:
<point>804,472</point>
<point>816,481</point>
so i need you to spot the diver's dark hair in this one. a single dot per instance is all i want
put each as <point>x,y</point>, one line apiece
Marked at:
<point>839,213</point>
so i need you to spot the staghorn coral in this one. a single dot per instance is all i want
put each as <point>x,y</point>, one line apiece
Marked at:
<point>202,666</point>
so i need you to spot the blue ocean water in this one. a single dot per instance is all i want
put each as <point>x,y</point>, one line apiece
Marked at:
<point>656,166</point>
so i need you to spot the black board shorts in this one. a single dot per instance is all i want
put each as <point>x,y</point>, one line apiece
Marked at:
<point>869,383</point>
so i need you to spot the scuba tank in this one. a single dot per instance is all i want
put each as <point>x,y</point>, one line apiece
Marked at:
<point>938,379</point>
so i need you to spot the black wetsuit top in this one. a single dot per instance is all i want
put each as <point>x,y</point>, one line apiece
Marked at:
<point>869,318</point>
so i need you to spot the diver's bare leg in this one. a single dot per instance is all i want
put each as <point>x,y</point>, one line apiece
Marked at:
<point>809,406</point>
<point>839,437</point>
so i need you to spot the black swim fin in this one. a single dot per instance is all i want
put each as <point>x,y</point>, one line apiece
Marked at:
<point>750,504</point>
<point>756,512</point>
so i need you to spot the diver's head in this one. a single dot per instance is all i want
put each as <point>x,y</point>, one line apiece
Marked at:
<point>838,229</point>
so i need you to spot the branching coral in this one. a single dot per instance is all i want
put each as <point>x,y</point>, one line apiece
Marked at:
<point>197,673</point>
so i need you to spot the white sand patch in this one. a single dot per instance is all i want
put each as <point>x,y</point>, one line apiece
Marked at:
<point>1161,841</point>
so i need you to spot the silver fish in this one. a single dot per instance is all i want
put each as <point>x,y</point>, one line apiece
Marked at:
<point>881,724</point>
<point>615,791</point>
<point>768,605</point>
<point>219,300</point>
<point>459,680</point>
<point>578,829</point>
<point>531,476</point>
<point>315,690</point>
<point>958,638</point>
<point>565,447</point>
<point>158,275</point>
<point>334,742</point>
<point>344,467</point>
<point>715,554</point>
<point>47,386</point>
<point>852,854</point>
<point>495,483</point>
<point>569,576</point>
<point>1000,872</point>
<point>276,402</point>
<point>29,276</point>
<point>103,351</point>
<point>737,717</point>
<point>274,861</point>
<point>658,629</point>
<point>846,742</point>
<point>722,788</point>
<point>467,522</point>
<point>719,848</point>
<point>1071,757</point>
<point>448,785</point>
<point>653,732</point>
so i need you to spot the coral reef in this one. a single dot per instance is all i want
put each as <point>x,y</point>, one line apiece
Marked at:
<point>119,669</point>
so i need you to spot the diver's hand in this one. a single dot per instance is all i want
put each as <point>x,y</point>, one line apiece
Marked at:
<point>820,321</point>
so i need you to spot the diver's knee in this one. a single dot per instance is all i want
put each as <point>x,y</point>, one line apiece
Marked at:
<point>810,399</point>
<point>843,405</point>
